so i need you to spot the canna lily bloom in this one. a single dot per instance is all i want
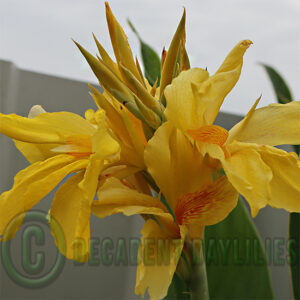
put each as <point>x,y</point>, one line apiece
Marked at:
<point>57,144</point>
<point>264,175</point>
<point>194,200</point>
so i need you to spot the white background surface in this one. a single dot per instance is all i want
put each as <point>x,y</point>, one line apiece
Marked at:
<point>36,35</point>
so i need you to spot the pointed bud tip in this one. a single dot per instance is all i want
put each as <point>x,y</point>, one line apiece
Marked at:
<point>81,49</point>
<point>77,44</point>
<point>107,7</point>
<point>246,43</point>
<point>94,90</point>
<point>184,12</point>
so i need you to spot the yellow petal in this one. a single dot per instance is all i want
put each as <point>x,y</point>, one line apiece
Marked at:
<point>285,183</point>
<point>113,111</point>
<point>135,139</point>
<point>138,126</point>
<point>51,128</point>
<point>65,211</point>
<point>207,206</point>
<point>90,116</point>
<point>32,184</point>
<point>71,210</point>
<point>153,272</point>
<point>249,175</point>
<point>234,59</point>
<point>113,115</point>
<point>36,152</point>
<point>103,144</point>
<point>275,124</point>
<point>171,56</point>
<point>185,106</point>
<point>212,134</point>
<point>120,44</point>
<point>128,156</point>
<point>220,84</point>
<point>175,163</point>
<point>115,197</point>
<point>90,180</point>
<point>88,186</point>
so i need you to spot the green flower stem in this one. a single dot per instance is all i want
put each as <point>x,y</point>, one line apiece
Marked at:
<point>294,237</point>
<point>198,284</point>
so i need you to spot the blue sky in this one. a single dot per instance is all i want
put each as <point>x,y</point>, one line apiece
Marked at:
<point>36,35</point>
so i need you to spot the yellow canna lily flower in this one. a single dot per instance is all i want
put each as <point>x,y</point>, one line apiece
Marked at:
<point>264,175</point>
<point>185,148</point>
<point>194,201</point>
<point>146,138</point>
<point>57,144</point>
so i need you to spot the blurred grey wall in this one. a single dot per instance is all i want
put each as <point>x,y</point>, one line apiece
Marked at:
<point>19,91</point>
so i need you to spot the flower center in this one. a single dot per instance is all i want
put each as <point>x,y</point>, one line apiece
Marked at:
<point>76,145</point>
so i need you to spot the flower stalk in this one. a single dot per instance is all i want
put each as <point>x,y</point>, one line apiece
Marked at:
<point>197,284</point>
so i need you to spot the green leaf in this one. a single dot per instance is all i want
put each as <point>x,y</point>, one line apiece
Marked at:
<point>294,237</point>
<point>282,91</point>
<point>294,241</point>
<point>297,149</point>
<point>284,96</point>
<point>177,290</point>
<point>235,260</point>
<point>150,59</point>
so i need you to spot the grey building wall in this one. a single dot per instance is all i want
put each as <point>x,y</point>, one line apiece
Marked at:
<point>19,91</point>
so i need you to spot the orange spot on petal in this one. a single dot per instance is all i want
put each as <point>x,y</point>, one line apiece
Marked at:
<point>191,206</point>
<point>211,134</point>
